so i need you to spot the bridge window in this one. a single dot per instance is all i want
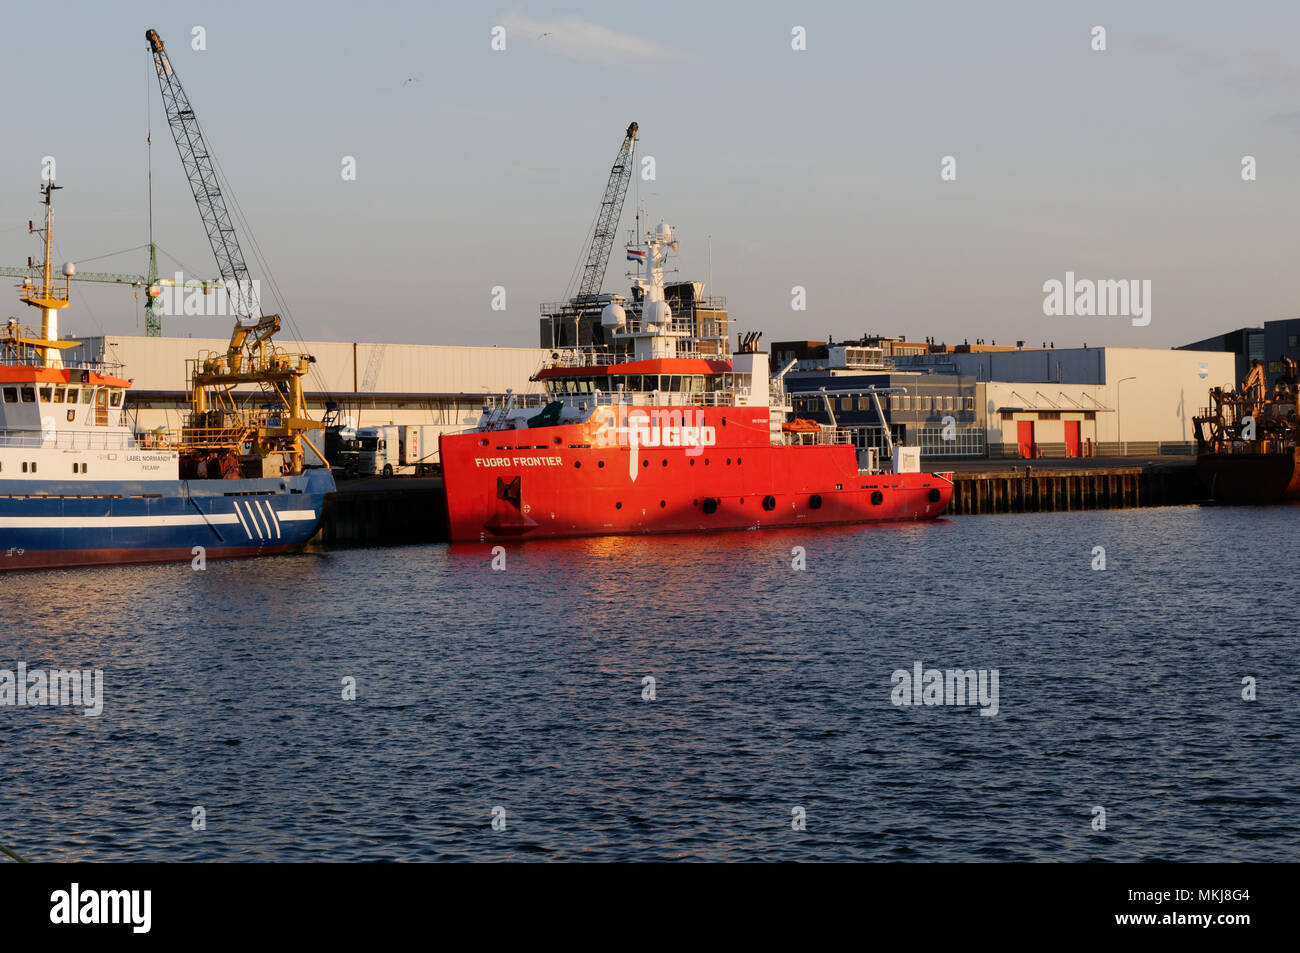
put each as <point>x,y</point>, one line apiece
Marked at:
<point>47,394</point>
<point>28,395</point>
<point>675,382</point>
<point>86,393</point>
<point>116,398</point>
<point>11,395</point>
<point>58,395</point>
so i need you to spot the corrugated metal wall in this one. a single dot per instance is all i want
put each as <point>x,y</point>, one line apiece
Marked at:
<point>158,364</point>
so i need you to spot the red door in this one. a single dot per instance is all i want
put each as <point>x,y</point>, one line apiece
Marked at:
<point>1072,443</point>
<point>1025,437</point>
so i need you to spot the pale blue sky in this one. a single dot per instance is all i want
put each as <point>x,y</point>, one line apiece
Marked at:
<point>817,168</point>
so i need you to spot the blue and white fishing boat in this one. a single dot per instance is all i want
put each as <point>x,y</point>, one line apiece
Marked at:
<point>79,486</point>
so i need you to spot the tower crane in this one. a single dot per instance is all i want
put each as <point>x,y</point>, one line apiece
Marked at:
<point>152,312</point>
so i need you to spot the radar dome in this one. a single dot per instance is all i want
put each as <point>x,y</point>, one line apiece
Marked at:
<point>664,232</point>
<point>658,312</point>
<point>613,316</point>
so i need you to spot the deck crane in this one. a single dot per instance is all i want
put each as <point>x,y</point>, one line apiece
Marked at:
<point>273,433</point>
<point>611,208</point>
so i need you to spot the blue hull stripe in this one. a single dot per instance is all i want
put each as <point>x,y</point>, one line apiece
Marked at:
<point>274,513</point>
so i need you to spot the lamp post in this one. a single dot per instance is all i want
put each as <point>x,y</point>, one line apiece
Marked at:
<point>1119,419</point>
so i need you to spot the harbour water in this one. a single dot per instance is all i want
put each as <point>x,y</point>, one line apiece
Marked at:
<point>525,688</point>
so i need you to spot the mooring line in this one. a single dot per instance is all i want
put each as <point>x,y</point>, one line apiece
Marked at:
<point>6,850</point>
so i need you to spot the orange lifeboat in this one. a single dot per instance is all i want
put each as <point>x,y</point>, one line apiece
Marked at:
<point>799,425</point>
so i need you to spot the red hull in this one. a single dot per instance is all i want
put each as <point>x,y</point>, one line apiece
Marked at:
<point>576,480</point>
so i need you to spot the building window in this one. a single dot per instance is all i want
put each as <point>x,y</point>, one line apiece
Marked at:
<point>1292,341</point>
<point>1008,415</point>
<point>1089,415</point>
<point>1049,415</point>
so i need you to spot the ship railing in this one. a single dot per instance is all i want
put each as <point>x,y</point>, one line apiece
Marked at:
<point>602,357</point>
<point>196,438</point>
<point>69,439</point>
<point>27,359</point>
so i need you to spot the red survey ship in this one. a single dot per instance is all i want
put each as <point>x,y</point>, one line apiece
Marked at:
<point>653,434</point>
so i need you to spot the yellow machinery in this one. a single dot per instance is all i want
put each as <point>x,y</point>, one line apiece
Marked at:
<point>264,430</point>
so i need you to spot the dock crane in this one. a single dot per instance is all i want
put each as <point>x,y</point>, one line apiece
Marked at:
<point>274,433</point>
<point>606,228</point>
<point>586,302</point>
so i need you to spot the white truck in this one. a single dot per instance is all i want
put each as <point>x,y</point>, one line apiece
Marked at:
<point>397,449</point>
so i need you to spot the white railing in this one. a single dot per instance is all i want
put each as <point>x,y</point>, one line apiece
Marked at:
<point>70,440</point>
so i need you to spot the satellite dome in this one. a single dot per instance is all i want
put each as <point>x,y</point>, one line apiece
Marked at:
<point>658,312</point>
<point>664,232</point>
<point>69,269</point>
<point>613,316</point>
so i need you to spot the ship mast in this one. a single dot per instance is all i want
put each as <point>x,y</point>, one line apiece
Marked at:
<point>49,299</point>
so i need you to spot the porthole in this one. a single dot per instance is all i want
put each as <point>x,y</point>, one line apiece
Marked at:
<point>577,464</point>
<point>600,464</point>
<point>728,461</point>
<point>710,505</point>
<point>877,497</point>
<point>769,503</point>
<point>645,463</point>
<point>662,504</point>
<point>618,506</point>
<point>482,443</point>
<point>934,496</point>
<point>692,461</point>
<point>815,501</point>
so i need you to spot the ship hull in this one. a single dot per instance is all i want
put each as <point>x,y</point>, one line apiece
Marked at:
<point>80,523</point>
<point>573,480</point>
<point>1250,478</point>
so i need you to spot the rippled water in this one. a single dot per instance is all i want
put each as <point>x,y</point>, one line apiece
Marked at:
<point>522,689</point>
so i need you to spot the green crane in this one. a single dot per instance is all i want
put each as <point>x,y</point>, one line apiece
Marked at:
<point>151,282</point>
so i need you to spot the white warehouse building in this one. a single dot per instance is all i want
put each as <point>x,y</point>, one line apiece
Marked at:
<point>371,384</point>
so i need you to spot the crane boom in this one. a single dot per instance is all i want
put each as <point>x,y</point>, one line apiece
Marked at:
<point>611,208</point>
<point>197,162</point>
<point>264,432</point>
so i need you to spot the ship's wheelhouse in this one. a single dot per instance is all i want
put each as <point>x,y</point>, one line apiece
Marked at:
<point>54,399</point>
<point>670,379</point>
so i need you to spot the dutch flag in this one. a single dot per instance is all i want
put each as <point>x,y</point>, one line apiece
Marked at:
<point>636,255</point>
